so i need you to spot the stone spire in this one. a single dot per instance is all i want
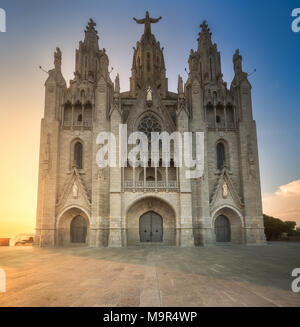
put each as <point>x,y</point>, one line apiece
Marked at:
<point>57,59</point>
<point>55,75</point>
<point>237,62</point>
<point>91,35</point>
<point>117,84</point>
<point>204,39</point>
<point>180,85</point>
<point>206,62</point>
<point>148,66</point>
<point>91,62</point>
<point>239,75</point>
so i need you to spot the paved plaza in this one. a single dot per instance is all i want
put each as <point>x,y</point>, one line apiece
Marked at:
<point>151,276</point>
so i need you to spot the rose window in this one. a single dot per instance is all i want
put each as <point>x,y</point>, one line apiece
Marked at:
<point>148,125</point>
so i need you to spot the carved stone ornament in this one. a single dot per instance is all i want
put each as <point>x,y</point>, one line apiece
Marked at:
<point>75,190</point>
<point>224,190</point>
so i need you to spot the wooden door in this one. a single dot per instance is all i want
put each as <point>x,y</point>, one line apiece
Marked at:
<point>151,227</point>
<point>78,230</point>
<point>222,229</point>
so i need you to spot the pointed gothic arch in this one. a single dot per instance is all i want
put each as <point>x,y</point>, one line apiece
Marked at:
<point>235,219</point>
<point>81,228</point>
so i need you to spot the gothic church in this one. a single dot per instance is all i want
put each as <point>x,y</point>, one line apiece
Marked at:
<point>82,204</point>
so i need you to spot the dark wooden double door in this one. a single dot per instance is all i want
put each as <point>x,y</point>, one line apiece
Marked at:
<point>78,230</point>
<point>222,228</point>
<point>151,227</point>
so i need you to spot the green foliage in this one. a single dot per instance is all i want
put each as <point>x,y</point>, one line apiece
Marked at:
<point>275,227</point>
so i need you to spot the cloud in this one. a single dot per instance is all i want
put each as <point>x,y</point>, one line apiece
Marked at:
<point>284,203</point>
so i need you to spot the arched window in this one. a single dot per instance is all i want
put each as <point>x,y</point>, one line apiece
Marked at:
<point>220,155</point>
<point>78,155</point>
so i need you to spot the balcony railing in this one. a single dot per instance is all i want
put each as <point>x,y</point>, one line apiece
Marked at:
<point>150,185</point>
<point>228,125</point>
<point>86,124</point>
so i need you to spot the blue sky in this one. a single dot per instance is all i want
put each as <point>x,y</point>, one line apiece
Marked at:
<point>260,29</point>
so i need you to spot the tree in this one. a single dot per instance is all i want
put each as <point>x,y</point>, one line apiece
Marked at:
<point>274,228</point>
<point>290,227</point>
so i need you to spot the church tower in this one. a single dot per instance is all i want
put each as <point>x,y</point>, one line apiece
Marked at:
<point>148,66</point>
<point>73,193</point>
<point>229,188</point>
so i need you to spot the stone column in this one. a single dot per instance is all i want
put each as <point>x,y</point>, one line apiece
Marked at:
<point>167,179</point>
<point>72,123</point>
<point>115,221</point>
<point>185,229</point>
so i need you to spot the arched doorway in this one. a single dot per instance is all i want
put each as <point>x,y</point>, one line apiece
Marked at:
<point>166,221</point>
<point>68,227</point>
<point>151,227</point>
<point>222,229</point>
<point>78,230</point>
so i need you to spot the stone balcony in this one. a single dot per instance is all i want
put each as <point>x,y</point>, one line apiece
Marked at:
<point>221,126</point>
<point>171,186</point>
<point>77,124</point>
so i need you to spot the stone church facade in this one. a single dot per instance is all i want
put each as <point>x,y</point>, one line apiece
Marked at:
<point>80,203</point>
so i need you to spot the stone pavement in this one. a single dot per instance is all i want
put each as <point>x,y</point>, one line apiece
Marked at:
<point>151,276</point>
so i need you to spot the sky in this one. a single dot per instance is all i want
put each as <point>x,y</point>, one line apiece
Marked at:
<point>260,29</point>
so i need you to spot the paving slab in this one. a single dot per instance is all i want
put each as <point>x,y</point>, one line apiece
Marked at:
<point>230,276</point>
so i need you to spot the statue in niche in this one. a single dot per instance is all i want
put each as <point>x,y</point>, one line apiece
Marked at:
<point>75,190</point>
<point>149,94</point>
